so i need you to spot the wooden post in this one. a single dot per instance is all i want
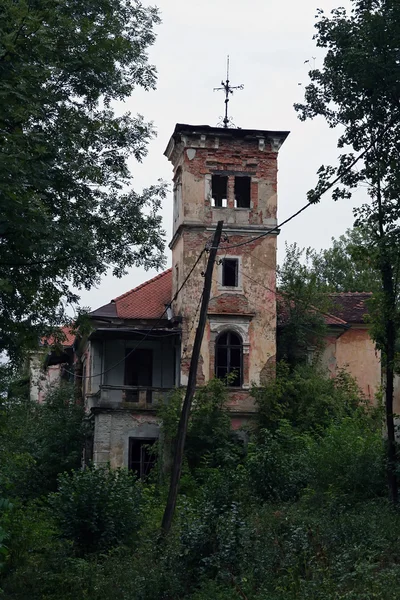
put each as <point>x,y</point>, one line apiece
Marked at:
<point>191,386</point>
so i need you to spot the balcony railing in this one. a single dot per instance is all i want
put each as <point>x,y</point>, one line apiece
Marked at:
<point>127,396</point>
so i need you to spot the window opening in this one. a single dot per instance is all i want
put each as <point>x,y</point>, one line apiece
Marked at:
<point>229,358</point>
<point>242,192</point>
<point>138,371</point>
<point>230,272</point>
<point>142,457</point>
<point>219,190</point>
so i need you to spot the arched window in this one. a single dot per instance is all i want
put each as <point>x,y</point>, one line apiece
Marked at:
<point>229,358</point>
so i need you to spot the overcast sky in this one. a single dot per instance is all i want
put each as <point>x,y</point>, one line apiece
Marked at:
<point>268,43</point>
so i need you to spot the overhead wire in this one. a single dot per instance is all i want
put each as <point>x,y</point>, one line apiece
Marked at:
<point>240,244</point>
<point>310,203</point>
<point>147,334</point>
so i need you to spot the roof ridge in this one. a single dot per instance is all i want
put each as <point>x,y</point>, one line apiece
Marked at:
<point>350,294</point>
<point>327,314</point>
<point>142,285</point>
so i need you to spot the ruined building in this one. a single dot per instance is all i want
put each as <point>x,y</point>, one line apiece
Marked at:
<point>141,343</point>
<point>139,351</point>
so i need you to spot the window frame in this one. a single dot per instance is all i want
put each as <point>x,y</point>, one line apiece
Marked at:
<point>230,288</point>
<point>228,346</point>
<point>224,264</point>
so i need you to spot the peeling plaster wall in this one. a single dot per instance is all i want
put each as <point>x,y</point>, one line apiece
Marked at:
<point>249,309</point>
<point>355,352</point>
<point>112,431</point>
<point>42,380</point>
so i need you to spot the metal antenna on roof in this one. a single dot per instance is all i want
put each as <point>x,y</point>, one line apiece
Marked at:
<point>228,89</point>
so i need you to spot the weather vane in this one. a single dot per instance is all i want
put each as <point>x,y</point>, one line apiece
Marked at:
<point>228,89</point>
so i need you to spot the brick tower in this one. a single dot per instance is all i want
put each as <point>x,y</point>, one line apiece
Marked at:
<point>229,175</point>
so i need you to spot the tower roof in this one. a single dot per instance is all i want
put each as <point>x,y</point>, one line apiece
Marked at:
<point>186,129</point>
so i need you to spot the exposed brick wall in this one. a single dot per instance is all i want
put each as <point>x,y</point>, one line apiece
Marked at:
<point>198,159</point>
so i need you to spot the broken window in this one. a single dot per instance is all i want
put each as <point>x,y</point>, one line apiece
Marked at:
<point>230,272</point>
<point>219,190</point>
<point>229,358</point>
<point>142,457</point>
<point>242,192</point>
<point>138,371</point>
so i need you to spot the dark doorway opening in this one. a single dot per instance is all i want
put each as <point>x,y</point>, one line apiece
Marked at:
<point>142,457</point>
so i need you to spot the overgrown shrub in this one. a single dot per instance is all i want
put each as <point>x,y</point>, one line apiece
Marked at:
<point>277,463</point>
<point>97,508</point>
<point>307,397</point>
<point>39,441</point>
<point>348,460</point>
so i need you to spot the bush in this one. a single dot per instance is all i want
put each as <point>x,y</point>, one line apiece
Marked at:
<point>308,398</point>
<point>278,463</point>
<point>348,460</point>
<point>97,509</point>
<point>39,441</point>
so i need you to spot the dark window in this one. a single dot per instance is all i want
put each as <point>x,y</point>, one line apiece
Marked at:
<point>230,272</point>
<point>141,456</point>
<point>139,367</point>
<point>242,192</point>
<point>229,358</point>
<point>219,190</point>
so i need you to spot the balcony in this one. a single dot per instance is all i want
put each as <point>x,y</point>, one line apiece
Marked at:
<point>128,396</point>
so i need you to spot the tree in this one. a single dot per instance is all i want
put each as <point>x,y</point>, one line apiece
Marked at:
<point>67,213</point>
<point>347,266</point>
<point>358,89</point>
<point>302,303</point>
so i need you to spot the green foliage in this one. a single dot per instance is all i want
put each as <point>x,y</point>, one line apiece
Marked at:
<point>348,265</point>
<point>68,212</point>
<point>301,306</point>
<point>307,397</point>
<point>97,508</point>
<point>300,515</point>
<point>277,464</point>
<point>358,89</point>
<point>210,441</point>
<point>39,441</point>
<point>348,460</point>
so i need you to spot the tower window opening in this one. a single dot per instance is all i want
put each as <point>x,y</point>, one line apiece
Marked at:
<point>242,192</point>
<point>229,358</point>
<point>219,190</point>
<point>230,272</point>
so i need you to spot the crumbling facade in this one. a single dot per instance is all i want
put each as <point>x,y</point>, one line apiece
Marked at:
<point>140,347</point>
<point>228,175</point>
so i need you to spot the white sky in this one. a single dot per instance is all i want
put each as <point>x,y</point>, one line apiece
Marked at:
<point>268,42</point>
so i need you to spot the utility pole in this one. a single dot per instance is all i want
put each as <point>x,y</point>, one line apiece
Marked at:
<point>191,386</point>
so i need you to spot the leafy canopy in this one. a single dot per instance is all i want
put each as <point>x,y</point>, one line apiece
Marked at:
<point>68,213</point>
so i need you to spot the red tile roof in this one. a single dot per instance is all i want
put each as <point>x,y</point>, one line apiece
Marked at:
<point>351,306</point>
<point>66,342</point>
<point>347,308</point>
<point>148,300</point>
<point>283,313</point>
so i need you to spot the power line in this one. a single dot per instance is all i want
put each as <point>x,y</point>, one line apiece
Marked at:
<point>147,334</point>
<point>303,208</point>
<point>280,292</point>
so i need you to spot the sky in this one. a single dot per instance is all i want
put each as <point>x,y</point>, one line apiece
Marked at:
<point>268,43</point>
